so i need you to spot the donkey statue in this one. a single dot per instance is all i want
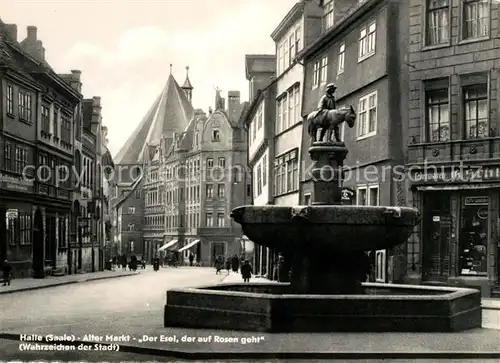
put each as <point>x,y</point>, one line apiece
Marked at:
<point>329,121</point>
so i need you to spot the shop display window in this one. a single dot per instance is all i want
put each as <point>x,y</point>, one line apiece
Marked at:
<point>474,235</point>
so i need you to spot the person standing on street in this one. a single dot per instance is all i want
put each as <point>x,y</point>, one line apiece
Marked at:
<point>246,271</point>
<point>7,272</point>
<point>191,259</point>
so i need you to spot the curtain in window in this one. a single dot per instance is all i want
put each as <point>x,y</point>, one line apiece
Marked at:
<point>476,15</point>
<point>438,20</point>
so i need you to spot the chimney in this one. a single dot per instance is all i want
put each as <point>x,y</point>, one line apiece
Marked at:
<point>76,74</point>
<point>75,80</point>
<point>233,105</point>
<point>12,31</point>
<point>31,35</point>
<point>210,110</point>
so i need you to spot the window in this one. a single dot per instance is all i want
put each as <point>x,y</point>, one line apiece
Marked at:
<point>45,119</point>
<point>297,103</point>
<point>476,111</point>
<point>12,224</point>
<point>367,125</point>
<point>367,38</point>
<point>288,109</point>
<point>328,17</point>
<point>131,246</point>
<point>279,115</point>
<point>438,114</point>
<point>220,219</point>
<point>476,18</point>
<point>324,70</point>
<point>9,98</point>
<point>264,170</point>
<point>297,40</point>
<point>210,163</point>
<point>438,23</point>
<point>215,135</point>
<point>25,229</point>
<point>474,235</point>
<point>280,58</point>
<point>307,199</point>
<point>291,44</point>
<point>25,105</point>
<point>286,173</point>
<point>131,227</point>
<point>341,59</point>
<point>131,210</point>
<point>209,191</point>
<point>316,74</point>
<point>65,129</point>
<point>221,190</point>
<point>367,195</point>
<point>21,159</point>
<point>209,221</point>
<point>287,50</point>
<point>259,116</point>
<point>7,156</point>
<point>222,162</point>
<point>259,180</point>
<point>55,123</point>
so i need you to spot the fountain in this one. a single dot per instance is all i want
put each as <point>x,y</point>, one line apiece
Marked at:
<point>326,243</point>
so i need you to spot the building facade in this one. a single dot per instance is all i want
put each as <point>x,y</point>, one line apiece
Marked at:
<point>45,110</point>
<point>298,29</point>
<point>154,202</point>
<point>259,120</point>
<point>454,145</point>
<point>187,184</point>
<point>38,107</point>
<point>356,52</point>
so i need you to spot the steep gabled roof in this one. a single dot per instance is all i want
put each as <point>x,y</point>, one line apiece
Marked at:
<point>171,112</point>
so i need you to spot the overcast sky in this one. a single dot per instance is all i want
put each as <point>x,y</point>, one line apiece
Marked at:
<point>124,48</point>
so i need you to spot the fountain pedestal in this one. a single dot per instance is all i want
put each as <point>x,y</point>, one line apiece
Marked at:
<point>317,271</point>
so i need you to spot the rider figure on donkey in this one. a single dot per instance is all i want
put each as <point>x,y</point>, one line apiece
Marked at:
<point>327,102</point>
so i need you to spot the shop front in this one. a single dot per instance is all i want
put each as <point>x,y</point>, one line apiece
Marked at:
<point>459,234</point>
<point>16,224</point>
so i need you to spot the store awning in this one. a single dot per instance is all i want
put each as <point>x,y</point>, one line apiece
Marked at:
<point>458,186</point>
<point>167,245</point>
<point>189,245</point>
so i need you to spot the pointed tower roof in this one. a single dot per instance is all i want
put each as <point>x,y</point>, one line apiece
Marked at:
<point>170,112</point>
<point>187,83</point>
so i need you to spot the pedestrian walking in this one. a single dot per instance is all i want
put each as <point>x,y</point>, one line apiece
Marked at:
<point>7,272</point>
<point>191,259</point>
<point>218,265</point>
<point>228,265</point>
<point>235,263</point>
<point>246,271</point>
<point>124,263</point>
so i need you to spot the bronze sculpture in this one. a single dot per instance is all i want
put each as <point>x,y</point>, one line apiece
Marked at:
<point>328,117</point>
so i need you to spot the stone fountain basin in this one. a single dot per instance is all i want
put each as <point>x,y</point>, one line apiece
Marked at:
<point>268,307</point>
<point>330,228</point>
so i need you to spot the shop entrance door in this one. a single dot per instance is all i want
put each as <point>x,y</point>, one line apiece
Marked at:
<point>436,236</point>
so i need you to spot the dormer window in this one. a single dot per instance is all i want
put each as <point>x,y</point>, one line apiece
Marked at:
<point>215,135</point>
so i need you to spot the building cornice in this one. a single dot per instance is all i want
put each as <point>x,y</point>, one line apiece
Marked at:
<point>293,15</point>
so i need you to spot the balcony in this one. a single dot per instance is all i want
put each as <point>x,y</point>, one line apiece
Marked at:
<point>473,150</point>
